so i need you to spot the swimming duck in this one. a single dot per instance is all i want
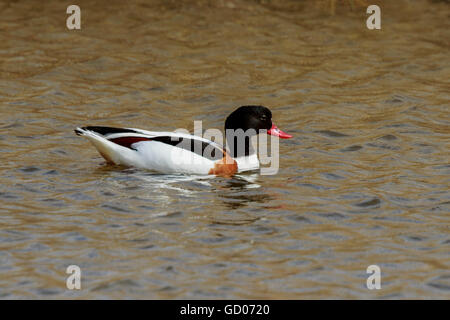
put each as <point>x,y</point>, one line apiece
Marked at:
<point>176,152</point>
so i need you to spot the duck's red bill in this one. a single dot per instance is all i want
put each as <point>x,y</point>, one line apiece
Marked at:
<point>274,131</point>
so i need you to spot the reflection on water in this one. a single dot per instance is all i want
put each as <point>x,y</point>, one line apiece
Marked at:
<point>364,180</point>
<point>240,190</point>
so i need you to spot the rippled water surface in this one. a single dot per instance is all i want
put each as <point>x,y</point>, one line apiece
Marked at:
<point>365,180</point>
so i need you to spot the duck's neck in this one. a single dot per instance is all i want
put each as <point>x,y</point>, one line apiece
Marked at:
<point>242,146</point>
<point>244,152</point>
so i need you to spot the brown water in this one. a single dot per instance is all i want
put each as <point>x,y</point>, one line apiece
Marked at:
<point>364,181</point>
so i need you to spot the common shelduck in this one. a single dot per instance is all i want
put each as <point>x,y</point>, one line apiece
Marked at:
<point>175,152</point>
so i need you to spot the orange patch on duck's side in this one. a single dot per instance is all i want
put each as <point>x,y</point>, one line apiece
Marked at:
<point>226,167</point>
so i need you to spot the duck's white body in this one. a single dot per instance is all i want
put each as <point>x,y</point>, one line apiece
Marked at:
<point>161,151</point>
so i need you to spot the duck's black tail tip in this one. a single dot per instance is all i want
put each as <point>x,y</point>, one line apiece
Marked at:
<point>79,131</point>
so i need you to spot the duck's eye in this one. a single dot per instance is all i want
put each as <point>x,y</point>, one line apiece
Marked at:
<point>263,118</point>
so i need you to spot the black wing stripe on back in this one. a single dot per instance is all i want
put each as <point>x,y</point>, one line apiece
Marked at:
<point>199,147</point>
<point>108,130</point>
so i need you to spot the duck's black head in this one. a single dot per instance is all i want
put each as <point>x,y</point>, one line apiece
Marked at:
<point>251,119</point>
<point>256,118</point>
